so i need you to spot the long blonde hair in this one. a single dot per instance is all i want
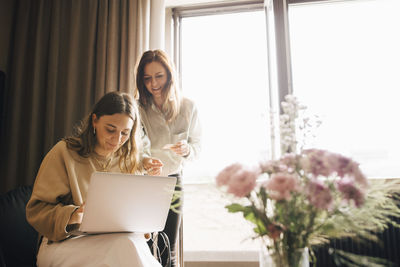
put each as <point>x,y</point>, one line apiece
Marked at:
<point>171,93</point>
<point>84,140</point>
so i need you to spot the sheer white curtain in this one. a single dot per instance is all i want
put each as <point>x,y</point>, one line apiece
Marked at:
<point>150,28</point>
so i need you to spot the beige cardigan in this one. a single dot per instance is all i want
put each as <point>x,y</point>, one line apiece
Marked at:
<point>60,187</point>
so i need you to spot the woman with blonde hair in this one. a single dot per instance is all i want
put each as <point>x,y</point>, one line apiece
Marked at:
<point>107,141</point>
<point>170,121</point>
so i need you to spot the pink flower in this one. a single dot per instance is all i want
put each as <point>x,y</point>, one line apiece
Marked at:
<point>350,192</point>
<point>346,167</point>
<point>317,162</point>
<point>290,161</point>
<point>240,181</point>
<point>281,185</point>
<point>319,194</point>
<point>225,175</point>
<point>321,162</point>
<point>340,164</point>
<point>272,166</point>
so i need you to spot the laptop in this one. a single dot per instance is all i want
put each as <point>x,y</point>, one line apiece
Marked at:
<point>118,202</point>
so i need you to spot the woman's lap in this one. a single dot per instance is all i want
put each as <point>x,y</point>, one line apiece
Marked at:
<point>120,249</point>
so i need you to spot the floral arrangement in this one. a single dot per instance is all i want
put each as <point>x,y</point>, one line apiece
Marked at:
<point>307,197</point>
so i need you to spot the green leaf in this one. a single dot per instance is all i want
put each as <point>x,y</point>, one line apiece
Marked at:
<point>235,208</point>
<point>356,260</point>
<point>249,215</point>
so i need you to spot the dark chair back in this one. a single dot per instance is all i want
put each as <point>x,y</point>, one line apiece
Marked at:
<point>18,239</point>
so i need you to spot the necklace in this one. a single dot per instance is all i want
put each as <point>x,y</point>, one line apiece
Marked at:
<point>104,166</point>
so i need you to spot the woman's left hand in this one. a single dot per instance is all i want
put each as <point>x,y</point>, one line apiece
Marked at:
<point>181,148</point>
<point>77,215</point>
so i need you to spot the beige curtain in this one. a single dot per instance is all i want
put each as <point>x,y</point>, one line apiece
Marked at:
<point>61,57</point>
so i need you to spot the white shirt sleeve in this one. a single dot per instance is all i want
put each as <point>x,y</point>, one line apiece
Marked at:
<point>194,138</point>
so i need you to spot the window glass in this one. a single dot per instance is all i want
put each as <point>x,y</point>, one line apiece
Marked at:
<point>224,70</point>
<point>345,65</point>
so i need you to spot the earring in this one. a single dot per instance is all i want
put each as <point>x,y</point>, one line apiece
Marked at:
<point>94,131</point>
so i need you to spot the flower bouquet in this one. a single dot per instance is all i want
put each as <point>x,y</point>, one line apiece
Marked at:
<point>305,198</point>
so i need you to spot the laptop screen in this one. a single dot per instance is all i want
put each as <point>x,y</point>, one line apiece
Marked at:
<point>118,202</point>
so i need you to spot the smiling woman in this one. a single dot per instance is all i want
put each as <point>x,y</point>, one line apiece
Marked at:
<point>155,79</point>
<point>171,123</point>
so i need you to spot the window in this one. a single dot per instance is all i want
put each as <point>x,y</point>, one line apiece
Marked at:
<point>345,69</point>
<point>224,70</point>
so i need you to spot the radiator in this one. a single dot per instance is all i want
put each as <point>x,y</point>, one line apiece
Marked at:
<point>389,249</point>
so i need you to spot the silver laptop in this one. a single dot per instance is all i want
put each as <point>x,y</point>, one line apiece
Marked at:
<point>118,202</point>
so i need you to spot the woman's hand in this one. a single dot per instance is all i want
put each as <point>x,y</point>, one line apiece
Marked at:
<point>76,217</point>
<point>153,166</point>
<point>181,148</point>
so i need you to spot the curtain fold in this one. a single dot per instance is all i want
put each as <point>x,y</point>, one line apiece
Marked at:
<point>64,55</point>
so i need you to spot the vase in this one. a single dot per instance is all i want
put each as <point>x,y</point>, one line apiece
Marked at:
<point>297,258</point>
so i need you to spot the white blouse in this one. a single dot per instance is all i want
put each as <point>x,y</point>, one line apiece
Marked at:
<point>186,126</point>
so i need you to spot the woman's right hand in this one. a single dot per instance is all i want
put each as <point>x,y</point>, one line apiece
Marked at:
<point>153,166</point>
<point>76,217</point>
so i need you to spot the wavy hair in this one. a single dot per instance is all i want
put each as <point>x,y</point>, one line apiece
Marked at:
<point>170,92</point>
<point>83,140</point>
